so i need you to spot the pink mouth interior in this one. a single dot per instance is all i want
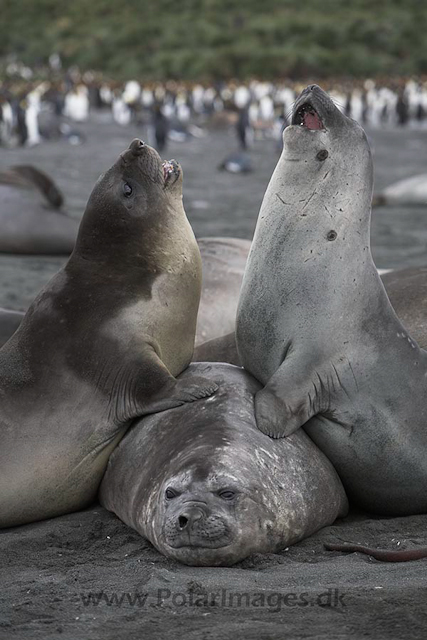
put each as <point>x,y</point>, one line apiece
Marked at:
<point>167,169</point>
<point>307,116</point>
<point>312,121</point>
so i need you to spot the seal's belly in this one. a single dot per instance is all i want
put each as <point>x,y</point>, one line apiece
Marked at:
<point>56,439</point>
<point>45,477</point>
<point>379,451</point>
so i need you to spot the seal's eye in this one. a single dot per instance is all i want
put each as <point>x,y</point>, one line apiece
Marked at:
<point>170,493</point>
<point>226,494</point>
<point>127,189</point>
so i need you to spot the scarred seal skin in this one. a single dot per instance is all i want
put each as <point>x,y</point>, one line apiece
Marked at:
<point>102,342</point>
<point>316,327</point>
<point>206,487</point>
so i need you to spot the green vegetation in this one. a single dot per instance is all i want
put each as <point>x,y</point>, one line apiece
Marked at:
<point>208,39</point>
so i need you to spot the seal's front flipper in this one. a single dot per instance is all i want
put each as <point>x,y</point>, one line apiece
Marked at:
<point>146,386</point>
<point>290,398</point>
<point>177,392</point>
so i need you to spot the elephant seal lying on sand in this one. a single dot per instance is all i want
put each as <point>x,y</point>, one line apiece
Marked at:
<point>206,487</point>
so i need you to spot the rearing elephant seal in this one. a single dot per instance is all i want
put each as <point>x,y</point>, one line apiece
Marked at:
<point>206,487</point>
<point>314,323</point>
<point>102,342</point>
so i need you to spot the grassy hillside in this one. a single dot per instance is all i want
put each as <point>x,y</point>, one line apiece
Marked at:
<point>195,39</point>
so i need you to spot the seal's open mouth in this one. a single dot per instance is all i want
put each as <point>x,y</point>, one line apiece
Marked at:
<point>307,116</point>
<point>171,171</point>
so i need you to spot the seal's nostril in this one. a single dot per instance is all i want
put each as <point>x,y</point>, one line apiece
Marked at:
<point>182,522</point>
<point>137,146</point>
<point>322,155</point>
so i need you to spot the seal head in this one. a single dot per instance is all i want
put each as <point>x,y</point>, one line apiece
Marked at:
<point>129,206</point>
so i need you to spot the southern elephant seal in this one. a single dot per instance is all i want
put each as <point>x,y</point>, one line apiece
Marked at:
<point>315,325</point>
<point>30,224</point>
<point>102,342</point>
<point>223,264</point>
<point>206,487</point>
<point>406,288</point>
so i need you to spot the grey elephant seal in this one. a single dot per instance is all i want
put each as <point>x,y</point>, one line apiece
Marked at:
<point>102,342</point>
<point>315,325</point>
<point>206,487</point>
<point>407,292</point>
<point>29,217</point>
<point>224,262</point>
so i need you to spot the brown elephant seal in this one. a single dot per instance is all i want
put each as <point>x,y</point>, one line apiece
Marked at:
<point>102,342</point>
<point>206,487</point>
<point>31,224</point>
<point>224,261</point>
<point>316,327</point>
